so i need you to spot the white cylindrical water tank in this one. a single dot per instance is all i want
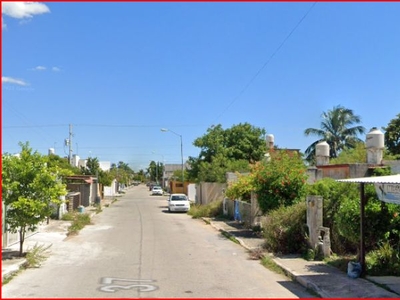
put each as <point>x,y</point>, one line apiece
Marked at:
<point>375,143</point>
<point>322,149</point>
<point>270,141</point>
<point>375,139</point>
<point>51,151</point>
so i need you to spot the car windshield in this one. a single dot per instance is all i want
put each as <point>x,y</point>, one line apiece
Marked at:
<point>156,188</point>
<point>178,198</point>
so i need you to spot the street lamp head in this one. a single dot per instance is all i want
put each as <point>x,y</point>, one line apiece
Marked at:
<point>164,129</point>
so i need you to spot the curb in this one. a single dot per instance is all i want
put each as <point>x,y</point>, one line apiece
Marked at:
<point>304,282</point>
<point>14,269</point>
<point>307,284</point>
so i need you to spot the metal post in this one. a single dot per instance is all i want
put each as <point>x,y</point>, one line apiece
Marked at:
<point>70,144</point>
<point>182,168</point>
<point>157,172</point>
<point>362,225</point>
<point>183,176</point>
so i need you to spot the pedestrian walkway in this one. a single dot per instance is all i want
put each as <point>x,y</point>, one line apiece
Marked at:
<point>46,235</point>
<point>325,280</point>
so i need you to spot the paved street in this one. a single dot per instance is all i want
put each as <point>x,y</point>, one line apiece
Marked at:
<point>136,249</point>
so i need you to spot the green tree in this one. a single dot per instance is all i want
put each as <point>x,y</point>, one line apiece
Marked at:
<point>355,155</point>
<point>337,130</point>
<point>281,181</point>
<point>224,150</point>
<point>140,175</point>
<point>29,187</point>
<point>241,188</point>
<point>122,173</point>
<point>65,168</point>
<point>155,171</point>
<point>92,167</point>
<point>392,136</point>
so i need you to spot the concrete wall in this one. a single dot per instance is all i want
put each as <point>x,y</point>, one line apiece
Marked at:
<point>191,189</point>
<point>250,213</point>
<point>207,192</point>
<point>394,165</point>
<point>111,190</point>
<point>340,171</point>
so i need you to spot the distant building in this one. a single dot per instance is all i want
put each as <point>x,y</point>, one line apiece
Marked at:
<point>105,165</point>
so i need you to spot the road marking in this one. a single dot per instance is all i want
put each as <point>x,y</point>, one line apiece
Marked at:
<point>140,284</point>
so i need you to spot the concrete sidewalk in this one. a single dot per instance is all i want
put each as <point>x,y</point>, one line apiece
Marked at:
<point>325,280</point>
<point>46,235</point>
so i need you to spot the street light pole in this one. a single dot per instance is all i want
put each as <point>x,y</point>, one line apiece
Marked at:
<point>180,136</point>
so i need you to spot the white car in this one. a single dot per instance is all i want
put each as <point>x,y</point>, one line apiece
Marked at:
<point>178,202</point>
<point>157,190</point>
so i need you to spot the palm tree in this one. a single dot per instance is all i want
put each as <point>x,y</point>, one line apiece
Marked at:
<point>336,130</point>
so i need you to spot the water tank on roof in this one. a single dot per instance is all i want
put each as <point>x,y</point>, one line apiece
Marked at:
<point>270,141</point>
<point>375,139</point>
<point>375,144</point>
<point>322,149</point>
<point>51,151</point>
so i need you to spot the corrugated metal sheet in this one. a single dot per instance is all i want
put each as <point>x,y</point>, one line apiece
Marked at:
<point>378,179</point>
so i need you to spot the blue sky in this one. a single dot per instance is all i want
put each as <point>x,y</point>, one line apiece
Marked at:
<point>119,72</point>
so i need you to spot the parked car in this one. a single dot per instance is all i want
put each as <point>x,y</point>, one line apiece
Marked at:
<point>178,202</point>
<point>157,190</point>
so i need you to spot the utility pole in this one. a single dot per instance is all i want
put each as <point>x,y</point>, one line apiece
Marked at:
<point>70,144</point>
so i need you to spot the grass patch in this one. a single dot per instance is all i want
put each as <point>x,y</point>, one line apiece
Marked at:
<point>115,199</point>
<point>98,209</point>
<point>269,263</point>
<point>79,220</point>
<point>9,278</point>
<point>211,210</point>
<point>340,262</point>
<point>34,259</point>
<point>230,237</point>
<point>36,256</point>
<point>69,216</point>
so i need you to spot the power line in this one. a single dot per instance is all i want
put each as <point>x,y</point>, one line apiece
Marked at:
<point>267,62</point>
<point>96,125</point>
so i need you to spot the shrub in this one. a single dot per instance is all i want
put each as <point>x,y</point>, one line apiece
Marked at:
<point>341,213</point>
<point>378,221</point>
<point>213,209</point>
<point>69,216</point>
<point>280,181</point>
<point>284,229</point>
<point>384,261</point>
<point>240,189</point>
<point>36,255</point>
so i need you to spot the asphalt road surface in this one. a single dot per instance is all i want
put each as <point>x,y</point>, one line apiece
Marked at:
<point>136,249</point>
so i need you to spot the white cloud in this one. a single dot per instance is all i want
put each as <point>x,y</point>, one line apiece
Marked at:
<point>43,68</point>
<point>13,81</point>
<point>20,10</point>
<point>39,68</point>
<point>3,25</point>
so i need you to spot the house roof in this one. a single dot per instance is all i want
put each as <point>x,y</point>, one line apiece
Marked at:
<point>86,178</point>
<point>390,179</point>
